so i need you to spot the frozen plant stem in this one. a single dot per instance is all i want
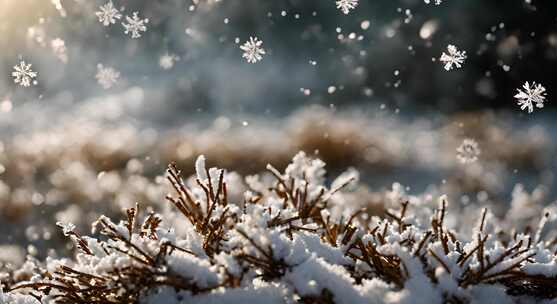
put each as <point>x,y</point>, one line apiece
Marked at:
<point>288,236</point>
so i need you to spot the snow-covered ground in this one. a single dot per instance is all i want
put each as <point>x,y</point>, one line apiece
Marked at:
<point>397,151</point>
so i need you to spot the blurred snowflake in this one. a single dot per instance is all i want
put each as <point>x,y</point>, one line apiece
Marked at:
<point>252,50</point>
<point>346,5</point>
<point>107,76</point>
<point>58,47</point>
<point>454,57</point>
<point>532,95</point>
<point>135,25</point>
<point>108,14</point>
<point>468,151</point>
<point>167,61</point>
<point>436,2</point>
<point>24,75</point>
<point>58,5</point>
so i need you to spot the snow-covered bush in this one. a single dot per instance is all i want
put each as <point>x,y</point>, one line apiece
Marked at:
<point>291,238</point>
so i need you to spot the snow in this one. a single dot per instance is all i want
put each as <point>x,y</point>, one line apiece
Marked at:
<point>453,57</point>
<point>15,298</point>
<point>267,251</point>
<point>311,277</point>
<point>293,233</point>
<point>253,50</point>
<point>534,94</point>
<point>197,270</point>
<point>200,168</point>
<point>135,25</point>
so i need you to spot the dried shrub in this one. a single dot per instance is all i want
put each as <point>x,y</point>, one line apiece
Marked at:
<point>291,239</point>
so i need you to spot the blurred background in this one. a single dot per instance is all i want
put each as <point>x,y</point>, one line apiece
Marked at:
<point>364,89</point>
<point>382,52</point>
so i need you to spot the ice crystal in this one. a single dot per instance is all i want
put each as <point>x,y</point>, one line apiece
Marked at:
<point>108,14</point>
<point>453,57</point>
<point>107,76</point>
<point>468,151</point>
<point>135,25</point>
<point>24,75</point>
<point>346,5</point>
<point>533,95</point>
<point>252,50</point>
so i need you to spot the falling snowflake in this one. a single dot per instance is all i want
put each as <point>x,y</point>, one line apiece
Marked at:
<point>135,25</point>
<point>108,14</point>
<point>468,151</point>
<point>59,49</point>
<point>454,57</point>
<point>106,76</point>
<point>436,2</point>
<point>252,50</point>
<point>67,228</point>
<point>58,5</point>
<point>167,61</point>
<point>37,34</point>
<point>24,75</point>
<point>532,95</point>
<point>346,5</point>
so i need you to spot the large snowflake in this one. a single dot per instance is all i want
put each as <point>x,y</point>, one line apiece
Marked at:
<point>135,25</point>
<point>453,57</point>
<point>23,74</point>
<point>346,5</point>
<point>108,14</point>
<point>533,94</point>
<point>253,52</point>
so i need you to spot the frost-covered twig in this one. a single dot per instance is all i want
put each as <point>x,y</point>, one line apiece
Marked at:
<point>291,240</point>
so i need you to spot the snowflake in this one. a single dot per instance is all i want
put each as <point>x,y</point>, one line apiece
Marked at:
<point>468,151</point>
<point>135,25</point>
<point>252,50</point>
<point>437,2</point>
<point>346,5</point>
<point>67,228</point>
<point>108,14</point>
<point>24,75</point>
<point>167,61</point>
<point>59,49</point>
<point>106,76</point>
<point>58,5</point>
<point>454,57</point>
<point>532,95</point>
